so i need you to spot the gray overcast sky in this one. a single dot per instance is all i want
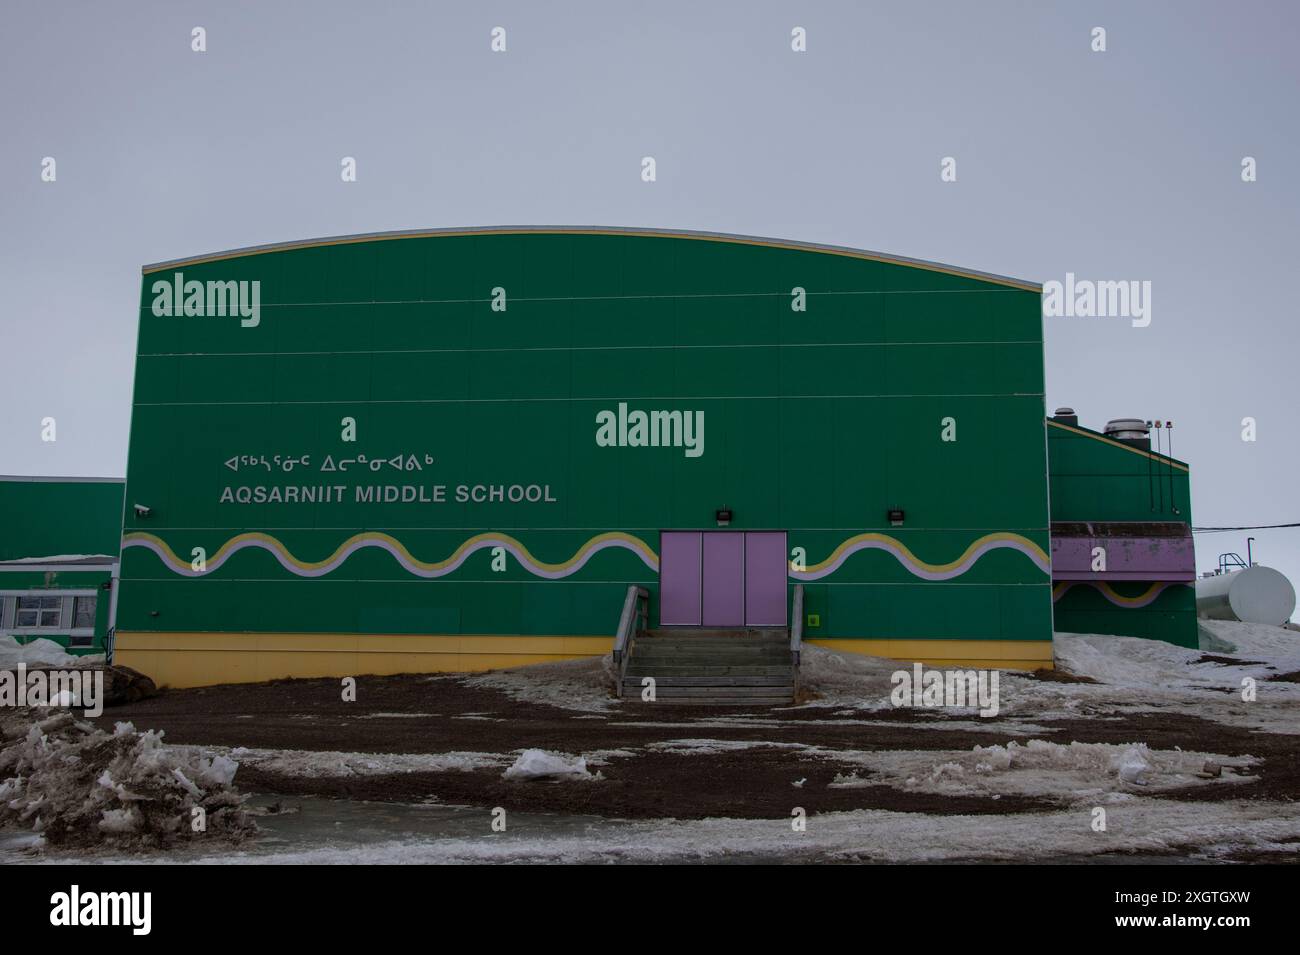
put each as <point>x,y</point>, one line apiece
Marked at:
<point>1115,165</point>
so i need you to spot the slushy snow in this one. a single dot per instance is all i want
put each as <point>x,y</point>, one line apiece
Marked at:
<point>40,653</point>
<point>540,764</point>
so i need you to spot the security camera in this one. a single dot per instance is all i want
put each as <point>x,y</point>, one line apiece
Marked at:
<point>141,511</point>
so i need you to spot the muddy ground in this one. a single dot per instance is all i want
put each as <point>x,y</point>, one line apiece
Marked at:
<point>750,783</point>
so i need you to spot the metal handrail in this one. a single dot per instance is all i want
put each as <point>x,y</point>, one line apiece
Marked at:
<point>796,623</point>
<point>634,619</point>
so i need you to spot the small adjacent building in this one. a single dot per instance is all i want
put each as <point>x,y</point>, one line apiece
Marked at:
<point>1123,560</point>
<point>59,543</point>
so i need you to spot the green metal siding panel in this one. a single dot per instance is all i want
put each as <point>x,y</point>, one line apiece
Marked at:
<point>1094,480</point>
<point>47,518</point>
<point>1171,617</point>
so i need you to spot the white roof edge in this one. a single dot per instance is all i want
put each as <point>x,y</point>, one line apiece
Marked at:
<point>56,479</point>
<point>587,229</point>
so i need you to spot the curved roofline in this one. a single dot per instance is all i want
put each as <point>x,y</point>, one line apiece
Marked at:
<point>60,479</point>
<point>599,230</point>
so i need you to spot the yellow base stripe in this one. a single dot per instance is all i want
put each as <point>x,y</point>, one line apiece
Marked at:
<point>983,654</point>
<point>205,659</point>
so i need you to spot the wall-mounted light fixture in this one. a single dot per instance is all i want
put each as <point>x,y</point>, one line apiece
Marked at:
<point>723,516</point>
<point>895,516</point>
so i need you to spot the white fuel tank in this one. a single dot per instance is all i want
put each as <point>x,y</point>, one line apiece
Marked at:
<point>1255,595</point>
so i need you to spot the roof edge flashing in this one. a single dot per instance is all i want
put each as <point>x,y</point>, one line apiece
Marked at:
<point>867,254</point>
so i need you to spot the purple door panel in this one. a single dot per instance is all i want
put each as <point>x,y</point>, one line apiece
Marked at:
<point>679,579</point>
<point>765,579</point>
<point>724,580</point>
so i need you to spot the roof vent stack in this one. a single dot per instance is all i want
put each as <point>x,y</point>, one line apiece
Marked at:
<point>1130,431</point>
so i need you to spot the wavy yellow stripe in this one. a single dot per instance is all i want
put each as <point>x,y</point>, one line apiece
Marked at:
<point>953,568</point>
<point>395,547</point>
<point>1144,599</point>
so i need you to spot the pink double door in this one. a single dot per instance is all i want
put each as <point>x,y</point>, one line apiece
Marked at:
<point>722,578</point>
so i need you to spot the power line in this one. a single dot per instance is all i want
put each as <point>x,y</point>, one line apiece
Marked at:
<point>1250,527</point>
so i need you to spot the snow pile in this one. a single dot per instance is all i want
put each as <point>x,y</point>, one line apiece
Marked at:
<point>1070,772</point>
<point>539,764</point>
<point>847,679</point>
<point>312,764</point>
<point>585,685</point>
<point>1280,646</point>
<point>40,652</point>
<point>1132,661</point>
<point>1134,675</point>
<point>78,785</point>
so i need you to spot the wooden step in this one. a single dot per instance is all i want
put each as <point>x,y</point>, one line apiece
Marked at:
<point>696,633</point>
<point>647,648</point>
<point>639,668</point>
<point>695,666</point>
<point>660,682</point>
<point>703,694</point>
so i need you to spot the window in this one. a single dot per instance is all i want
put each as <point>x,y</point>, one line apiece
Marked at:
<point>83,613</point>
<point>43,612</point>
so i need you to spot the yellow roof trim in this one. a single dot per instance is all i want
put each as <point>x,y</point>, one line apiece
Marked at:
<point>600,230</point>
<point>1119,444</point>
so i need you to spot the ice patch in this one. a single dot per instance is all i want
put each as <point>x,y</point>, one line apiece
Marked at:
<point>1068,772</point>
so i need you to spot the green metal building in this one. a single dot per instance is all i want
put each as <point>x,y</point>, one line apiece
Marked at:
<point>456,450</point>
<point>59,544</point>
<point>1122,555</point>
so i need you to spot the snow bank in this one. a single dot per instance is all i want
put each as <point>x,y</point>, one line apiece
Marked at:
<point>847,679</point>
<point>1135,675</point>
<point>1131,661</point>
<point>1256,641</point>
<point>40,652</point>
<point>540,764</point>
<point>78,785</point>
<point>584,685</point>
